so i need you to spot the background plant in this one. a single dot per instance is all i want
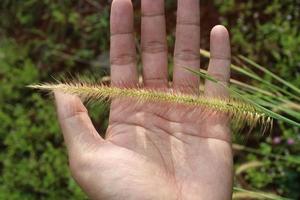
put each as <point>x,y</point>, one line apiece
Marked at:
<point>268,32</point>
<point>43,38</point>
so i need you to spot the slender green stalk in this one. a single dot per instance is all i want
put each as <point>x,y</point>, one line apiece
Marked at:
<point>265,70</point>
<point>254,76</point>
<point>263,195</point>
<point>295,160</point>
<point>236,93</point>
<point>251,88</point>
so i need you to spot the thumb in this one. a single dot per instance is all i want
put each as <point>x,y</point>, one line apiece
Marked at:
<point>78,130</point>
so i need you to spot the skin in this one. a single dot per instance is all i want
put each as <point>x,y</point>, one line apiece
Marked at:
<point>154,150</point>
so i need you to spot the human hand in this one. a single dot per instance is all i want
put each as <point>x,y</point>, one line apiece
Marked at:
<point>154,150</point>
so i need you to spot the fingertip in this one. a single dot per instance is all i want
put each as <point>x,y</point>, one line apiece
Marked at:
<point>121,16</point>
<point>220,60</point>
<point>219,31</point>
<point>220,42</point>
<point>68,104</point>
<point>126,3</point>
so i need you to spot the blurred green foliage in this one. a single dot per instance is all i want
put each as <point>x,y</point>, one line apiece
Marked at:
<point>33,161</point>
<point>44,38</point>
<point>269,33</point>
<point>39,39</point>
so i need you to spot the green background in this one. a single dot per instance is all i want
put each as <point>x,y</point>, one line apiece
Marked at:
<point>41,39</point>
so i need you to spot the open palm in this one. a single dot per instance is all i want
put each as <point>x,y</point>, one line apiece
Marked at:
<point>154,150</point>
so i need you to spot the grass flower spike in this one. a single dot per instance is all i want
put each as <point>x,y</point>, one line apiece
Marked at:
<point>240,112</point>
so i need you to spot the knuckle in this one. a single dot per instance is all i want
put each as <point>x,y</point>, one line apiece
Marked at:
<point>219,77</point>
<point>154,47</point>
<point>187,55</point>
<point>220,57</point>
<point>195,22</point>
<point>187,88</point>
<point>122,59</point>
<point>152,81</point>
<point>78,116</point>
<point>72,107</point>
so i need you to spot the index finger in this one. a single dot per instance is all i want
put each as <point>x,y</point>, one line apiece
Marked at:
<point>122,46</point>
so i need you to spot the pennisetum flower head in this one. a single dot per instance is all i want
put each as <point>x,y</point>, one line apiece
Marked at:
<point>241,113</point>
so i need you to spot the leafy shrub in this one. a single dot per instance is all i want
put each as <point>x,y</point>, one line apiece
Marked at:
<point>268,32</point>
<point>33,161</point>
<point>40,38</point>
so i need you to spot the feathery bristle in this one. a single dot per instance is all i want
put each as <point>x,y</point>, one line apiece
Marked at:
<point>241,112</point>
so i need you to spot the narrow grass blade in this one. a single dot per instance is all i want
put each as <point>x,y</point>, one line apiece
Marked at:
<point>237,94</point>
<point>265,70</point>
<point>249,165</point>
<point>238,147</point>
<point>254,76</point>
<point>260,195</point>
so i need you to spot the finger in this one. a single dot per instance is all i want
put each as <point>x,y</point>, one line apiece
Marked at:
<point>219,68</point>
<point>122,49</point>
<point>187,46</point>
<point>219,64</point>
<point>154,44</point>
<point>78,130</point>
